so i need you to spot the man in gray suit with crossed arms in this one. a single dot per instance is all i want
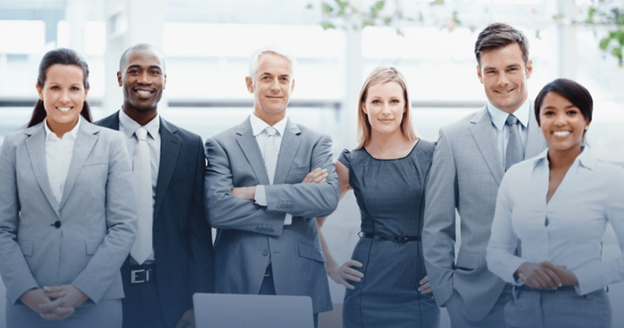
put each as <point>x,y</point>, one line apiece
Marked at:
<point>267,180</point>
<point>470,159</point>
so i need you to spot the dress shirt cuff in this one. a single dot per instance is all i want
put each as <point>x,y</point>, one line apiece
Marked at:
<point>589,279</point>
<point>260,196</point>
<point>288,219</point>
<point>512,266</point>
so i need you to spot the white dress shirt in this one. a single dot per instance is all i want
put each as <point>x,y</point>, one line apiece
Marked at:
<point>502,133</point>
<point>58,157</point>
<point>258,126</point>
<point>128,126</point>
<point>567,230</point>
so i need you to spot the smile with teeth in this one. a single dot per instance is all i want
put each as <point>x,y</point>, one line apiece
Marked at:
<point>144,93</point>
<point>561,133</point>
<point>505,91</point>
<point>64,109</point>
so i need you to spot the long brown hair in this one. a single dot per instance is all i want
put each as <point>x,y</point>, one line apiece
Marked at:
<point>61,56</point>
<point>382,75</point>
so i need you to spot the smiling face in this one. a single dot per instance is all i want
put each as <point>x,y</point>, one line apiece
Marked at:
<point>503,74</point>
<point>562,123</point>
<point>143,80</point>
<point>384,106</point>
<point>271,85</point>
<point>63,94</point>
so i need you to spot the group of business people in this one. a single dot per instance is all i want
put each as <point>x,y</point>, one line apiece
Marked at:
<point>89,215</point>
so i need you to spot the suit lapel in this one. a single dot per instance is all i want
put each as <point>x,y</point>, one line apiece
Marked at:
<point>37,152</point>
<point>535,140</point>
<point>169,148</point>
<point>85,140</point>
<point>288,150</point>
<point>481,129</point>
<point>249,145</point>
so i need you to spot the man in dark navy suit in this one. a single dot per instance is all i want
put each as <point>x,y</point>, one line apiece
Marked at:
<point>172,257</point>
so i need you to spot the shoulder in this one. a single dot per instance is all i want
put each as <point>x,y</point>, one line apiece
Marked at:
<point>311,134</point>
<point>425,148</point>
<point>183,134</point>
<point>463,123</point>
<point>18,137</point>
<point>611,172</point>
<point>109,120</point>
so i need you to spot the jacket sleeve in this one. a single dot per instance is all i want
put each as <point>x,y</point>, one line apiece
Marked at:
<point>15,272</point>
<point>439,227</point>
<point>308,200</point>
<point>121,222</point>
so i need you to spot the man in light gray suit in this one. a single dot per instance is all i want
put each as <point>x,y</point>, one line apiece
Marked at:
<point>259,198</point>
<point>468,164</point>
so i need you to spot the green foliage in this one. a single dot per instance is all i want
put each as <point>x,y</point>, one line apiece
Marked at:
<point>604,43</point>
<point>437,3</point>
<point>326,26</point>
<point>309,6</point>
<point>590,16</point>
<point>351,16</point>
<point>558,17</point>
<point>327,8</point>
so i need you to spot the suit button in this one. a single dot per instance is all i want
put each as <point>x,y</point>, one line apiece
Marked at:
<point>56,224</point>
<point>265,252</point>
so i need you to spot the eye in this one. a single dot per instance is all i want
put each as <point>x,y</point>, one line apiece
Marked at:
<point>55,87</point>
<point>395,101</point>
<point>376,101</point>
<point>75,88</point>
<point>133,71</point>
<point>265,77</point>
<point>490,71</point>
<point>548,113</point>
<point>572,112</point>
<point>155,72</point>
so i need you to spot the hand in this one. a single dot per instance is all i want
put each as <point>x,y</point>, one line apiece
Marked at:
<point>317,175</point>
<point>424,288</point>
<point>538,276</point>
<point>34,298</point>
<point>345,272</point>
<point>248,193</point>
<point>66,298</point>
<point>187,320</point>
<point>567,278</point>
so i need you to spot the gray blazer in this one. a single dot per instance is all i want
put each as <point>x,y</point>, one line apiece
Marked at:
<point>465,175</point>
<point>251,236</point>
<point>96,214</point>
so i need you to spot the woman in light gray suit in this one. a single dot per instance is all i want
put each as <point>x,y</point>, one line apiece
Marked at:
<point>67,220</point>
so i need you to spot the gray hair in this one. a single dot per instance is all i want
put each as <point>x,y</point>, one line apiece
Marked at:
<point>254,60</point>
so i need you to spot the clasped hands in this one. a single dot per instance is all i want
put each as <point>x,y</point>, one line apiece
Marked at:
<point>545,275</point>
<point>56,302</point>
<point>317,175</point>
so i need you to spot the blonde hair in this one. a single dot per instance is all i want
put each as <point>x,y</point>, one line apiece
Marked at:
<point>382,75</point>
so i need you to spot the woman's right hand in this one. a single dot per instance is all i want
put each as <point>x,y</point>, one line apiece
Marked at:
<point>35,299</point>
<point>536,275</point>
<point>340,275</point>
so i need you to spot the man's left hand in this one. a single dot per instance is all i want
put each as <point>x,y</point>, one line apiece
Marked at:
<point>187,320</point>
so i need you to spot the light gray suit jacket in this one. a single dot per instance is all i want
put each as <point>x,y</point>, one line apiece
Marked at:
<point>96,214</point>
<point>250,236</point>
<point>465,175</point>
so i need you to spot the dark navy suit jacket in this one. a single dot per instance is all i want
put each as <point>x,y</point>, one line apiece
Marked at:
<point>181,234</point>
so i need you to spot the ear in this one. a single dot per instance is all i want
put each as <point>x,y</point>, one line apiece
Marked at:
<point>529,68</point>
<point>39,91</point>
<point>249,84</point>
<point>292,87</point>
<point>364,109</point>
<point>165,82</point>
<point>479,73</point>
<point>86,92</point>
<point>119,78</point>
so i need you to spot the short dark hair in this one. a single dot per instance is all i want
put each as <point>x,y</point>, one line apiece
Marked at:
<point>137,47</point>
<point>570,90</point>
<point>62,56</point>
<point>500,35</point>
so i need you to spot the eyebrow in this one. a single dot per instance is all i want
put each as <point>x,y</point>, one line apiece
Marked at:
<point>139,66</point>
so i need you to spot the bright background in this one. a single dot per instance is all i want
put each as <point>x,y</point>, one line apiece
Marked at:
<point>207,44</point>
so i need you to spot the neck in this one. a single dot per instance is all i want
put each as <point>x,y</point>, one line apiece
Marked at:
<point>59,129</point>
<point>142,117</point>
<point>387,141</point>
<point>271,119</point>
<point>562,159</point>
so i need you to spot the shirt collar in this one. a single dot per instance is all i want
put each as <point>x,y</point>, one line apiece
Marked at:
<point>258,125</point>
<point>129,126</point>
<point>73,133</point>
<point>586,158</point>
<point>499,117</point>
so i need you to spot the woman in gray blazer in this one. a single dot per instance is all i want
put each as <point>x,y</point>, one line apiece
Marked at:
<point>67,220</point>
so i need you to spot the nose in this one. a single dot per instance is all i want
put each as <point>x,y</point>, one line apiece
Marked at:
<point>65,97</point>
<point>275,85</point>
<point>560,119</point>
<point>143,78</point>
<point>503,79</point>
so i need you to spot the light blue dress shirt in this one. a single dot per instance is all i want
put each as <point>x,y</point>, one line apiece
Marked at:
<point>502,132</point>
<point>567,230</point>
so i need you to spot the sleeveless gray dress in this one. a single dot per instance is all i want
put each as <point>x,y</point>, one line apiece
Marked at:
<point>390,195</point>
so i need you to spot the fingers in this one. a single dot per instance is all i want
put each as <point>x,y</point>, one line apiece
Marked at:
<point>353,263</point>
<point>424,288</point>
<point>346,284</point>
<point>424,280</point>
<point>58,314</point>
<point>317,175</point>
<point>54,292</point>
<point>551,271</point>
<point>50,306</point>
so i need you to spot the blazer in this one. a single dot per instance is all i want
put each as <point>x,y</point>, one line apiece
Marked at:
<point>182,238</point>
<point>95,219</point>
<point>465,175</point>
<point>251,236</point>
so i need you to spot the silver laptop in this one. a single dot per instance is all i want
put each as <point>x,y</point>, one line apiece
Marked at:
<point>252,311</point>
